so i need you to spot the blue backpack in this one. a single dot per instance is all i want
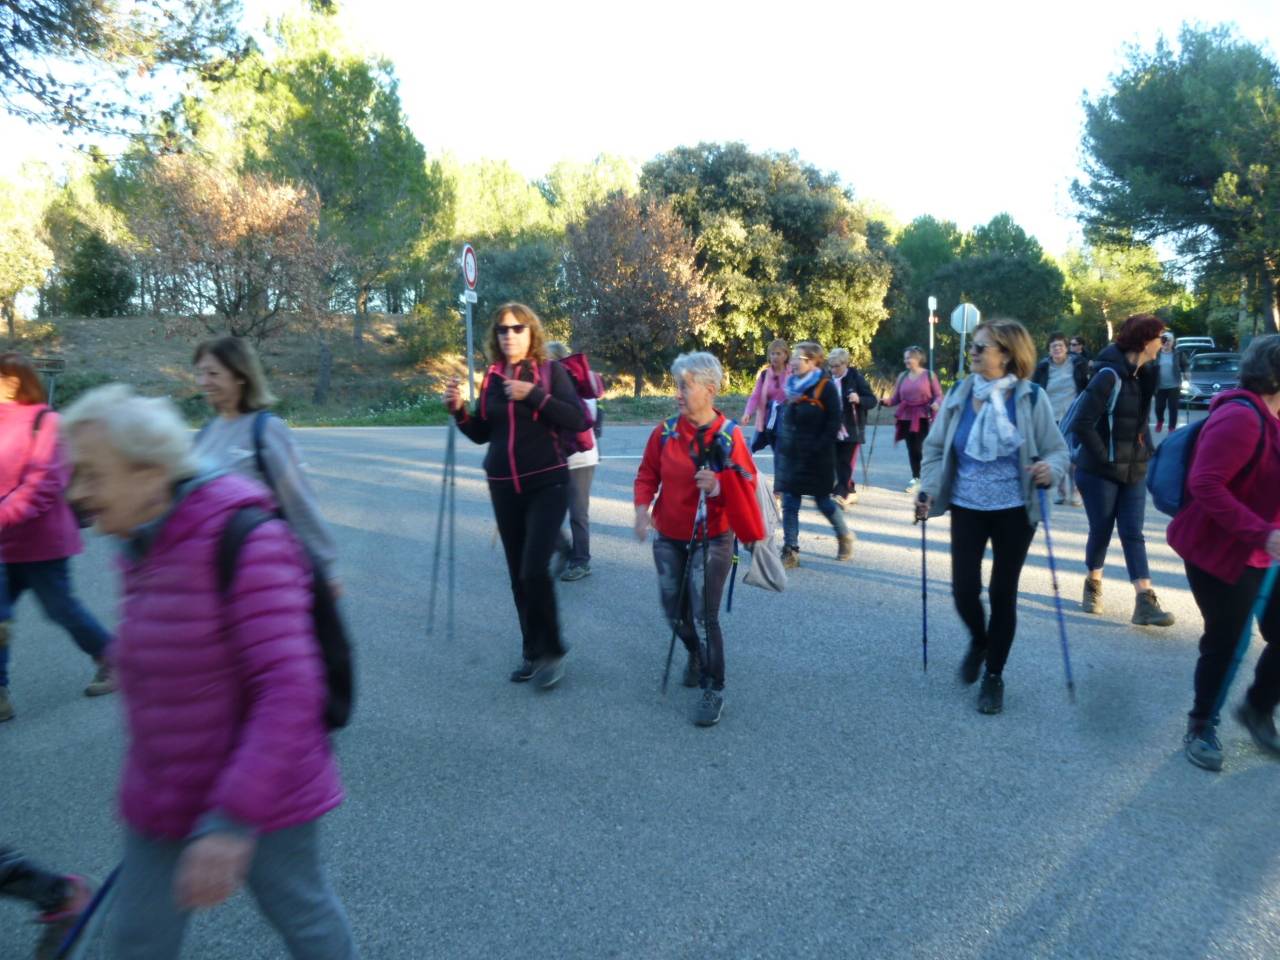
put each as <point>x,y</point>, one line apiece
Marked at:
<point>1074,445</point>
<point>1168,469</point>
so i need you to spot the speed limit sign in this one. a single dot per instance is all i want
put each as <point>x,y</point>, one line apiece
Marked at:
<point>469,266</point>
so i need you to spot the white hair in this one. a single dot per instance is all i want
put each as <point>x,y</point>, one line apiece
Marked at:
<point>838,355</point>
<point>145,431</point>
<point>703,367</point>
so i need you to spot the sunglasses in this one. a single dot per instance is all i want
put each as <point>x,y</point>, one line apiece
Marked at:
<point>511,329</point>
<point>977,348</point>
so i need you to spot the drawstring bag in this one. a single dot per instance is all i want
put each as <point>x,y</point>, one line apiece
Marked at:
<point>766,570</point>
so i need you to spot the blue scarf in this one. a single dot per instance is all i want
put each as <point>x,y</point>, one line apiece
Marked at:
<point>796,386</point>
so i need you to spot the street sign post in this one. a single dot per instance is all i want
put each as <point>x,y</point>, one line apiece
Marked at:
<point>933,320</point>
<point>964,320</point>
<point>470,273</point>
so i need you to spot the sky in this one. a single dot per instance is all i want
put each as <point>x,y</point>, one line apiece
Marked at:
<point>961,111</point>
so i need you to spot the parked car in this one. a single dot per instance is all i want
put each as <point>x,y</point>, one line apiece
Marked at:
<point>1208,374</point>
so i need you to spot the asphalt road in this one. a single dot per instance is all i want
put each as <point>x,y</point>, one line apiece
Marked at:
<point>848,805</point>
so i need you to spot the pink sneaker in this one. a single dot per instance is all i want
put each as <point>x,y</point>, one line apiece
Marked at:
<point>59,923</point>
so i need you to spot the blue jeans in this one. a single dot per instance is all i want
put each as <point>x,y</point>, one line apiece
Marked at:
<point>791,517</point>
<point>1109,505</point>
<point>50,580</point>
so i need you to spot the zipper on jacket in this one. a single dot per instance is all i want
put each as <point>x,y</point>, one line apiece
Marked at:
<point>511,442</point>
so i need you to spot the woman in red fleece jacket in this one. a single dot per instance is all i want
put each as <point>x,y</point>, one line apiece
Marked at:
<point>38,532</point>
<point>687,456</point>
<point>1228,534</point>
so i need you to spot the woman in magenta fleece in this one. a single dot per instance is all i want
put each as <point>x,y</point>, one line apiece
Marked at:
<point>1227,534</point>
<point>917,396</point>
<point>228,766</point>
<point>38,532</point>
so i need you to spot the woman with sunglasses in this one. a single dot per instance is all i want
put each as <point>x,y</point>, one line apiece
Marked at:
<point>995,441</point>
<point>916,398</point>
<point>526,400</point>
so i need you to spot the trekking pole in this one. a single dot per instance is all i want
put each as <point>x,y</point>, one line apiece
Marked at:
<point>1246,635</point>
<point>445,476</point>
<point>1057,594</point>
<point>866,461</point>
<point>80,936</point>
<point>453,530</point>
<point>699,519</point>
<point>924,586</point>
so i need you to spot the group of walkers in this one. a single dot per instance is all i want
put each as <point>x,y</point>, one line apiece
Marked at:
<point>229,766</point>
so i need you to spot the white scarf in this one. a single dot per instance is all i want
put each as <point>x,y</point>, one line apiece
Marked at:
<point>993,434</point>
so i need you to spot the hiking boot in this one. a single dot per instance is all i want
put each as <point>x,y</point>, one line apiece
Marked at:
<point>971,665</point>
<point>1261,726</point>
<point>1092,602</point>
<point>991,696</point>
<point>845,550</point>
<point>1202,747</point>
<point>707,712</point>
<point>1147,612</point>
<point>693,670</point>
<point>6,705</point>
<point>524,672</point>
<point>790,558</point>
<point>59,923</point>
<point>103,682</point>
<point>576,571</point>
<point>549,672</point>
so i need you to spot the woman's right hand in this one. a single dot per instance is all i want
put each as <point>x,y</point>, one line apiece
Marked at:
<point>924,503</point>
<point>452,395</point>
<point>1273,545</point>
<point>642,523</point>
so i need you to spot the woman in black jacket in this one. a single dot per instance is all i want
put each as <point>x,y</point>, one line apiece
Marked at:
<point>527,403</point>
<point>1110,427</point>
<point>805,464</point>
<point>856,398</point>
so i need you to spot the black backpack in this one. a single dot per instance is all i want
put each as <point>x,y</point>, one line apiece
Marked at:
<point>331,633</point>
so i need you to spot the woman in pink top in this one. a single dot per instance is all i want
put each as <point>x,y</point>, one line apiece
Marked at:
<point>1228,533</point>
<point>38,532</point>
<point>916,397</point>
<point>771,388</point>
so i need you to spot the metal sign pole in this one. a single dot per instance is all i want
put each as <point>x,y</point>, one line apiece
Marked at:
<point>933,305</point>
<point>471,352</point>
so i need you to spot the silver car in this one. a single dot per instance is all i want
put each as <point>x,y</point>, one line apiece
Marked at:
<point>1208,374</point>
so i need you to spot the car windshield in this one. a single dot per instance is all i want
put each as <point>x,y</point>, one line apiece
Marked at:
<point>1215,363</point>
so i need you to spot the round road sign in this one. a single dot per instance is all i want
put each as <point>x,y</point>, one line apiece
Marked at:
<point>469,266</point>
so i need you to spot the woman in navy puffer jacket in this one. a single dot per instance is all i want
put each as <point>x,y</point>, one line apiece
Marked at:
<point>228,765</point>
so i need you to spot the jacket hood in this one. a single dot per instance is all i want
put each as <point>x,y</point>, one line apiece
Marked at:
<point>1237,393</point>
<point>206,498</point>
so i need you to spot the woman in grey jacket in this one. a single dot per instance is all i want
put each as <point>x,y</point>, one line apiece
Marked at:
<point>995,441</point>
<point>246,438</point>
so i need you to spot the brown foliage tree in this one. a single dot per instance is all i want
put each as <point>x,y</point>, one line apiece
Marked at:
<point>238,252</point>
<point>635,291</point>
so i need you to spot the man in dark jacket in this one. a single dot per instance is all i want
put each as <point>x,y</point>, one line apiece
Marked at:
<point>856,398</point>
<point>1110,427</point>
<point>1062,375</point>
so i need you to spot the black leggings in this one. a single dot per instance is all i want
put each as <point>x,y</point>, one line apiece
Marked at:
<point>845,482</point>
<point>1225,608</point>
<point>915,446</point>
<point>1010,535</point>
<point>23,880</point>
<point>702,590</point>
<point>1167,399</point>
<point>529,524</point>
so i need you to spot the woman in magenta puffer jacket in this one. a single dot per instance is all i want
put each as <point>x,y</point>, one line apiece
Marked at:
<point>38,532</point>
<point>228,765</point>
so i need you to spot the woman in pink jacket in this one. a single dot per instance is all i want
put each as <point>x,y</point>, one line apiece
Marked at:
<point>1227,534</point>
<point>771,388</point>
<point>38,532</point>
<point>228,766</point>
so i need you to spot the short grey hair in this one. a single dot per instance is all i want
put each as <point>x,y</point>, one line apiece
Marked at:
<point>1260,365</point>
<point>838,355</point>
<point>145,431</point>
<point>557,350</point>
<point>703,367</point>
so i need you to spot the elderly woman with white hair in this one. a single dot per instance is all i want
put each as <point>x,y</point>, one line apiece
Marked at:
<point>697,458</point>
<point>228,765</point>
<point>856,399</point>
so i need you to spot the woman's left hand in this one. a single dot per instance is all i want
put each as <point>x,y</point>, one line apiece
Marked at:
<point>211,869</point>
<point>1041,473</point>
<point>517,389</point>
<point>707,481</point>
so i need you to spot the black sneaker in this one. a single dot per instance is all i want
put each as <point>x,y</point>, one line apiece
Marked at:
<point>693,670</point>
<point>576,571</point>
<point>549,672</point>
<point>1261,726</point>
<point>523,673</point>
<point>707,712</point>
<point>991,696</point>
<point>971,665</point>
<point>1202,747</point>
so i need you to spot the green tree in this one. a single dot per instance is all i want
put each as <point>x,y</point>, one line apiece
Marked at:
<point>1110,283</point>
<point>634,287</point>
<point>570,188</point>
<point>24,256</point>
<point>1185,146</point>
